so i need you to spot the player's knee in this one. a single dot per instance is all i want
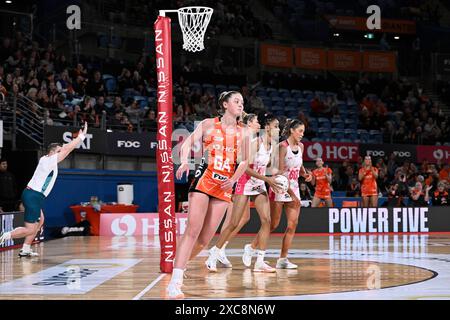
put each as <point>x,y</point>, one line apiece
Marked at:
<point>273,225</point>
<point>245,220</point>
<point>291,227</point>
<point>192,231</point>
<point>233,225</point>
<point>265,222</point>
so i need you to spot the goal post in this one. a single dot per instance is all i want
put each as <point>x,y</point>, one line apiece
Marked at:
<point>193,22</point>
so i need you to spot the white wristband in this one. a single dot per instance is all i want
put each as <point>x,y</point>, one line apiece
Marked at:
<point>82,136</point>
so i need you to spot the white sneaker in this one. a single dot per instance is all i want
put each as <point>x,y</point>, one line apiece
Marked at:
<point>211,262</point>
<point>284,263</point>
<point>23,253</point>
<point>263,267</point>
<point>4,237</point>
<point>173,291</point>
<point>222,258</point>
<point>248,254</point>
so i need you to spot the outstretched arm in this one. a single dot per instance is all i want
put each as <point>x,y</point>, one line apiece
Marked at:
<point>69,147</point>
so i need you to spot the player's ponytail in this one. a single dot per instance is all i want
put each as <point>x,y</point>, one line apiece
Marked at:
<point>248,117</point>
<point>291,124</point>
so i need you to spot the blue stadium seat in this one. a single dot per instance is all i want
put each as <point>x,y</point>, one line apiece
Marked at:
<point>261,92</point>
<point>234,88</point>
<point>350,134</point>
<point>363,135</point>
<point>337,123</point>
<point>151,92</point>
<point>293,105</point>
<point>284,93</point>
<point>207,87</point>
<point>276,99</point>
<point>142,101</point>
<point>324,133</point>
<point>338,133</point>
<point>350,124</point>
<point>267,101</point>
<point>324,123</point>
<point>221,88</point>
<point>296,94</point>
<point>314,124</point>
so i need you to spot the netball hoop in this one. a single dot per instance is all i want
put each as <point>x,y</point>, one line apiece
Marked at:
<point>193,22</point>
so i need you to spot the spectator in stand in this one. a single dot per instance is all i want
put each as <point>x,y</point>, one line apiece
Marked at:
<point>100,107</point>
<point>353,189</point>
<point>8,188</point>
<point>118,105</point>
<point>394,197</point>
<point>439,197</point>
<point>417,195</point>
<point>343,178</point>
<point>96,86</point>
<point>116,123</point>
<point>444,174</point>
<point>134,113</point>
<point>125,80</point>
<point>149,123</point>
<point>256,103</point>
<point>305,193</point>
<point>382,181</point>
<point>138,83</point>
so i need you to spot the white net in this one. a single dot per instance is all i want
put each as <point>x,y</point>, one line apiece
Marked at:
<point>193,22</point>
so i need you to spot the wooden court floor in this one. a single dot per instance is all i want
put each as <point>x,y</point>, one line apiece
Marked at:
<point>330,267</point>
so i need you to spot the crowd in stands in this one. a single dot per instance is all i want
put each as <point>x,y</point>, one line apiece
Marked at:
<point>401,183</point>
<point>125,99</point>
<point>394,9</point>
<point>231,17</point>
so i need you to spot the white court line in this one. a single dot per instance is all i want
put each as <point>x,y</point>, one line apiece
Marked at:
<point>151,285</point>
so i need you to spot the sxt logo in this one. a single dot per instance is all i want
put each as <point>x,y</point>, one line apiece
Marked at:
<point>86,144</point>
<point>128,144</point>
<point>74,20</point>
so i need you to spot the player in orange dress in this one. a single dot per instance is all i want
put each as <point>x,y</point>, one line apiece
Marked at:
<point>224,162</point>
<point>368,176</point>
<point>322,177</point>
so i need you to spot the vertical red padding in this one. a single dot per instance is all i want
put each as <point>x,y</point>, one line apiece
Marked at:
<point>164,161</point>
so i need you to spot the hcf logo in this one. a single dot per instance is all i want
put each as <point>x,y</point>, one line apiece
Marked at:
<point>124,226</point>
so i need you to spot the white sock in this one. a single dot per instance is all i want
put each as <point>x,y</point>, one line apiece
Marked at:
<point>177,276</point>
<point>282,259</point>
<point>224,246</point>
<point>26,247</point>
<point>260,256</point>
<point>7,235</point>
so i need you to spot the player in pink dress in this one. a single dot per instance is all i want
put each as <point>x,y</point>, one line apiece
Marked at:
<point>251,184</point>
<point>291,166</point>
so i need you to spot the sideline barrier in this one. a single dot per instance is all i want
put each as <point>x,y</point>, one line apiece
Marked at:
<point>311,221</point>
<point>8,222</point>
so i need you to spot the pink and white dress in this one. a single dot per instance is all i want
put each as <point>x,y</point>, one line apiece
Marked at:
<point>292,164</point>
<point>251,186</point>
